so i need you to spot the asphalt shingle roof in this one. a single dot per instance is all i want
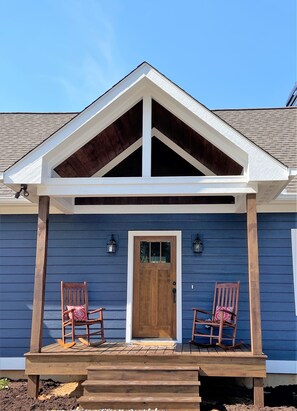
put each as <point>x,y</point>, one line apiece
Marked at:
<point>274,130</point>
<point>22,132</point>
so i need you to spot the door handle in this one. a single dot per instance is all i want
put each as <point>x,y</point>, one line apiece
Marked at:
<point>174,295</point>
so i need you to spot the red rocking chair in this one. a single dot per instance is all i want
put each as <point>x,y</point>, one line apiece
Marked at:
<point>75,313</point>
<point>221,324</point>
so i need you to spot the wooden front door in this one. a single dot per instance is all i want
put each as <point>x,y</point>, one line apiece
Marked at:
<point>154,287</point>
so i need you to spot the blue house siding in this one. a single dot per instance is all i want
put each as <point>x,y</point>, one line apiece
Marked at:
<point>77,252</point>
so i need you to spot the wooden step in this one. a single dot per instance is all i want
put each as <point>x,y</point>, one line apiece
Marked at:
<point>145,386</point>
<point>135,372</point>
<point>143,366</point>
<point>141,401</point>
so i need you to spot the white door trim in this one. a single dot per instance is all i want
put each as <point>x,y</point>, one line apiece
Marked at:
<point>129,310</point>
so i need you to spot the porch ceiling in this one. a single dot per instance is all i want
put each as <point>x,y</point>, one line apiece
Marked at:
<point>154,200</point>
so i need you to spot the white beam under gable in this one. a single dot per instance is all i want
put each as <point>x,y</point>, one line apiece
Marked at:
<point>142,186</point>
<point>147,136</point>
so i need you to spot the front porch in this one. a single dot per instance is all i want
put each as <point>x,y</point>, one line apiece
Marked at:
<point>141,361</point>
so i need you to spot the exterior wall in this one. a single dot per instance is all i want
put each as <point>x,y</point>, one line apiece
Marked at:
<point>77,252</point>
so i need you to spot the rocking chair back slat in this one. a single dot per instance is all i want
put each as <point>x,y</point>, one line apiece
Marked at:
<point>74,294</point>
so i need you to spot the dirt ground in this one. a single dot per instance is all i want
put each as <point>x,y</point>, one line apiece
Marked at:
<point>216,396</point>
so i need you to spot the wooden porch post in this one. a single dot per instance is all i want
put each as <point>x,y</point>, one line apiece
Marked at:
<point>254,291</point>
<point>39,288</point>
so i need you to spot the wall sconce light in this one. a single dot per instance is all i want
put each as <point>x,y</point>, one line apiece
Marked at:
<point>197,245</point>
<point>111,245</point>
<point>22,189</point>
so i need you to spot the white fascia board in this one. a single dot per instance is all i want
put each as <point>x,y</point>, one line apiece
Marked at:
<point>30,170</point>
<point>262,166</point>
<point>140,186</point>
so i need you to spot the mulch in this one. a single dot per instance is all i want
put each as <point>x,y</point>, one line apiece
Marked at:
<point>216,395</point>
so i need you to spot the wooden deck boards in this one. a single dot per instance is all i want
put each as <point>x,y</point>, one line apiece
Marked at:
<point>121,348</point>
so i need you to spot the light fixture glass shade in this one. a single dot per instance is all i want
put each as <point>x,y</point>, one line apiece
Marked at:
<point>197,245</point>
<point>111,245</point>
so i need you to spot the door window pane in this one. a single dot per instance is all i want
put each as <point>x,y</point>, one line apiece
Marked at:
<point>165,251</point>
<point>155,252</point>
<point>144,251</point>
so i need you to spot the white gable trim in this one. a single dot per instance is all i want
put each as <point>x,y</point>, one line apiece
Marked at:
<point>218,132</point>
<point>37,165</point>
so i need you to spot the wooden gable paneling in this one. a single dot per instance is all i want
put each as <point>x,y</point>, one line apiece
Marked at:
<point>127,129</point>
<point>103,148</point>
<point>192,142</point>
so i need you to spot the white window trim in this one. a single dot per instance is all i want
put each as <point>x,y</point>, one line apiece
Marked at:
<point>294,258</point>
<point>129,310</point>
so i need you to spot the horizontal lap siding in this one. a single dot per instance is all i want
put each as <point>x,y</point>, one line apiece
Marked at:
<point>279,322</point>
<point>77,252</point>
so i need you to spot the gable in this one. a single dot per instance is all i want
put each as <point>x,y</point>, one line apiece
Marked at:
<point>124,132</point>
<point>182,148</point>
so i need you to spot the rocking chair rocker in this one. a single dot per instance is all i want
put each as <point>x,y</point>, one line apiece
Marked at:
<point>75,313</point>
<point>221,324</point>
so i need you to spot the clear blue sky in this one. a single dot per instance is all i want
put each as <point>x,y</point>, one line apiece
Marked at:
<point>60,55</point>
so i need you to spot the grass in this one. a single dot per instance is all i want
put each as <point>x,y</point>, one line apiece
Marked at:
<point>3,383</point>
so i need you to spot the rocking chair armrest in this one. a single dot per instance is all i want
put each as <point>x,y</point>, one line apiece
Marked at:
<point>96,311</point>
<point>68,311</point>
<point>201,311</point>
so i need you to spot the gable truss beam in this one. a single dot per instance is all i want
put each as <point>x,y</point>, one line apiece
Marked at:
<point>182,153</point>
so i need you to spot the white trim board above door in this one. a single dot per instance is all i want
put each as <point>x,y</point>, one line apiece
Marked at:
<point>129,311</point>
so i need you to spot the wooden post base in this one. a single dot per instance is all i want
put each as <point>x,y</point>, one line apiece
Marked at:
<point>33,386</point>
<point>258,392</point>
